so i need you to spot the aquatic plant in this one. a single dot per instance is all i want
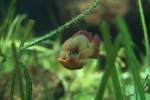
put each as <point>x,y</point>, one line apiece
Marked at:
<point>16,51</point>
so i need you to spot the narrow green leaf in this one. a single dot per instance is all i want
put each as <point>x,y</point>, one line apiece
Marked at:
<point>18,71</point>
<point>13,84</point>
<point>111,56</point>
<point>145,31</point>
<point>132,60</point>
<point>28,83</point>
<point>27,32</point>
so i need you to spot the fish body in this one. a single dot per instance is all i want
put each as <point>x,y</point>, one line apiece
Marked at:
<point>77,49</point>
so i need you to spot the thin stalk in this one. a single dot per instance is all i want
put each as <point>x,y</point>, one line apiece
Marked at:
<point>146,39</point>
<point>117,86</point>
<point>132,60</point>
<point>112,51</point>
<point>18,71</point>
<point>13,85</point>
<point>9,17</point>
<point>67,25</point>
<point>103,83</point>
<point>28,93</point>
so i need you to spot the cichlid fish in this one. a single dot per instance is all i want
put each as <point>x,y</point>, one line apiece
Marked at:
<point>77,49</point>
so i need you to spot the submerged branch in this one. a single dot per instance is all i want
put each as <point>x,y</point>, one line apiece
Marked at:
<point>60,29</point>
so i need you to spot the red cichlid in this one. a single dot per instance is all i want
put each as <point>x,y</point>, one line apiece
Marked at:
<point>77,49</point>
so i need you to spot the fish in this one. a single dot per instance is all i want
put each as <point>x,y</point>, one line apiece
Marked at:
<point>78,48</point>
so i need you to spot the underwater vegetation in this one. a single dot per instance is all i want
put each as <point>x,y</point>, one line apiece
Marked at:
<point>73,62</point>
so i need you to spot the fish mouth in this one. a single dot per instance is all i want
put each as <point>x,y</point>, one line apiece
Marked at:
<point>64,62</point>
<point>69,64</point>
<point>62,59</point>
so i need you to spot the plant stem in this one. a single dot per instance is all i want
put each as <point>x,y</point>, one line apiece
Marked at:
<point>17,70</point>
<point>146,40</point>
<point>60,29</point>
<point>112,51</point>
<point>132,60</point>
<point>28,93</point>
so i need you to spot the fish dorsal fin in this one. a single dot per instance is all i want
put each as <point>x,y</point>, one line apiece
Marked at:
<point>85,33</point>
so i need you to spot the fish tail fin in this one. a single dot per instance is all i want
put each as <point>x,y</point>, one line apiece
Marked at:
<point>95,46</point>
